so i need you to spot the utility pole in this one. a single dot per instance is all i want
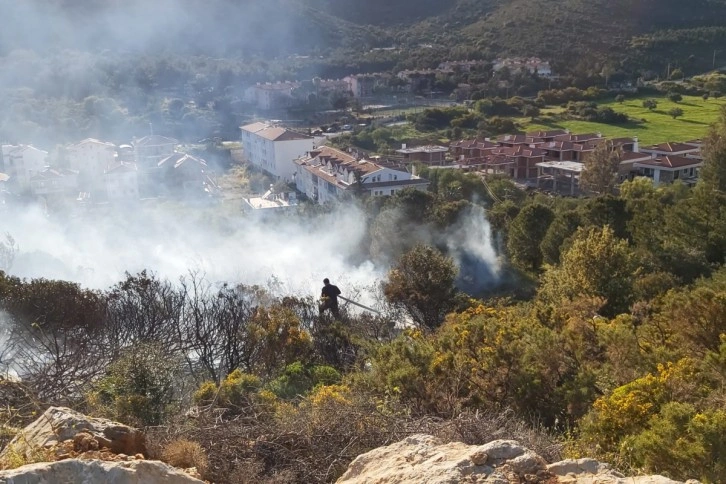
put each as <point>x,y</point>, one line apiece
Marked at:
<point>714,59</point>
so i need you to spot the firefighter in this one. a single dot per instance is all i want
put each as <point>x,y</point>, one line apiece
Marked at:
<point>329,298</point>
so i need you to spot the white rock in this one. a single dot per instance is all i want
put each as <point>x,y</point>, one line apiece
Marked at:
<point>527,463</point>
<point>59,424</point>
<point>578,466</point>
<point>502,450</point>
<point>425,459</point>
<point>75,471</point>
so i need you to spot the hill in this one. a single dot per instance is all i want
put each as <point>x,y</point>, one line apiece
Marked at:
<point>572,33</point>
<point>628,33</point>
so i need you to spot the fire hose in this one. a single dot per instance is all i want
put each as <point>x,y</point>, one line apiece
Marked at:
<point>359,305</point>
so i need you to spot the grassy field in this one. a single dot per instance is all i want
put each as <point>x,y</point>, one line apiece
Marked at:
<point>650,127</point>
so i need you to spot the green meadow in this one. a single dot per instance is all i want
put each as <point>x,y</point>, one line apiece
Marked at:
<point>651,127</point>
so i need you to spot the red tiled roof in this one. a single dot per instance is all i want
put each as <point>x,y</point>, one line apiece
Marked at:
<point>557,146</point>
<point>671,162</point>
<point>672,147</point>
<point>512,138</point>
<point>577,138</point>
<point>547,134</point>
<point>273,133</point>
<point>630,156</point>
<point>520,150</point>
<point>473,144</point>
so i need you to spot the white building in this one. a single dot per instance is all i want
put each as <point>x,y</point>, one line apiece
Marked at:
<point>327,174</point>
<point>520,65</point>
<point>150,150</point>
<point>90,156</point>
<point>274,149</point>
<point>361,85</point>
<point>21,163</point>
<point>122,182</point>
<point>54,182</point>
<point>271,202</point>
<point>269,96</point>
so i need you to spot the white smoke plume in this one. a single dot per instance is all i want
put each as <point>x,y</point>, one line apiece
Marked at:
<point>293,253</point>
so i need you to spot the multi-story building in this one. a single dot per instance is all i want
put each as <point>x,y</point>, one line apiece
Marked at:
<point>673,149</point>
<point>273,149</point>
<point>182,174</point>
<point>667,169</point>
<point>21,163</point>
<point>90,156</point>
<point>50,182</point>
<point>122,182</point>
<point>327,174</point>
<point>150,150</point>
<point>429,154</point>
<point>361,85</point>
<point>269,96</point>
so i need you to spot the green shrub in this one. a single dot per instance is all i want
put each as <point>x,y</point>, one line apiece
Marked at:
<point>681,443</point>
<point>139,387</point>
<point>206,393</point>
<point>324,375</point>
<point>236,389</point>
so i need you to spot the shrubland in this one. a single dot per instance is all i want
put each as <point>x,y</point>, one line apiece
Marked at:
<point>616,352</point>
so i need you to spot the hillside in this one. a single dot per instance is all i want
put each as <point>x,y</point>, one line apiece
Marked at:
<point>633,33</point>
<point>585,32</point>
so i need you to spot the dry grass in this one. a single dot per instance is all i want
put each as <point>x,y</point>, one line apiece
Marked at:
<point>316,443</point>
<point>184,454</point>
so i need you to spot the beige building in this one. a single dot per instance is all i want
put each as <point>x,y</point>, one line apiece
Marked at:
<point>273,149</point>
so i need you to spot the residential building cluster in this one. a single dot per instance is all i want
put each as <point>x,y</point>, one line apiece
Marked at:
<point>327,174</point>
<point>269,96</point>
<point>320,92</point>
<point>94,171</point>
<point>522,65</point>
<point>554,159</point>
<point>321,173</point>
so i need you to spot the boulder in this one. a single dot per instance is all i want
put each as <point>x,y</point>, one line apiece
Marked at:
<point>76,471</point>
<point>590,471</point>
<point>59,424</point>
<point>423,458</point>
<point>426,459</point>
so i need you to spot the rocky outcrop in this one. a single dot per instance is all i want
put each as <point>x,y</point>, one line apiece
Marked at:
<point>67,447</point>
<point>74,471</point>
<point>426,459</point>
<point>590,471</point>
<point>58,425</point>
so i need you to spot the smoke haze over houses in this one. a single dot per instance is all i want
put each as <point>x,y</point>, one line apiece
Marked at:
<point>77,69</point>
<point>294,254</point>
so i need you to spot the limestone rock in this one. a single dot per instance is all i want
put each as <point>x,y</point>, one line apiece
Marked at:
<point>590,471</point>
<point>75,471</point>
<point>425,459</point>
<point>59,424</point>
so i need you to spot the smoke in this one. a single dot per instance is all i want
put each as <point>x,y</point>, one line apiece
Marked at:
<point>294,253</point>
<point>7,370</point>
<point>470,243</point>
<point>103,68</point>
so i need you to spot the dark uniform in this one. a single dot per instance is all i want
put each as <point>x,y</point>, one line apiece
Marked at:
<point>329,295</point>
